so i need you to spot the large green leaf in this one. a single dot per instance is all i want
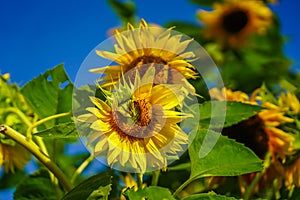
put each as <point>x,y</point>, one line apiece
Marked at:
<point>50,94</point>
<point>62,130</point>
<point>95,187</point>
<point>208,196</point>
<point>35,187</point>
<point>220,156</point>
<point>149,193</point>
<point>234,112</point>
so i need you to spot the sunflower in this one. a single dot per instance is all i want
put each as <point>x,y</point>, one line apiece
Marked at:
<point>262,134</point>
<point>263,128</point>
<point>137,128</point>
<point>292,174</point>
<point>290,101</point>
<point>232,22</point>
<point>12,156</point>
<point>145,46</point>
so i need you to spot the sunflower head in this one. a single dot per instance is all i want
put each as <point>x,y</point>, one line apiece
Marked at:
<point>137,127</point>
<point>261,132</point>
<point>12,155</point>
<point>233,21</point>
<point>147,46</point>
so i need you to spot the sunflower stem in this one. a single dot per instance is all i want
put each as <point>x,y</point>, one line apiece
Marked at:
<point>42,121</point>
<point>35,150</point>
<point>83,165</point>
<point>139,180</point>
<point>252,186</point>
<point>182,187</point>
<point>155,177</point>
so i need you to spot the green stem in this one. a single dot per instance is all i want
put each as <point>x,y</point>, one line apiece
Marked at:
<point>42,121</point>
<point>155,177</point>
<point>139,180</point>
<point>81,168</point>
<point>251,188</point>
<point>20,114</point>
<point>35,150</point>
<point>182,187</point>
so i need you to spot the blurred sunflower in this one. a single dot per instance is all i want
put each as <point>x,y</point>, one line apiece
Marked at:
<point>136,129</point>
<point>232,22</point>
<point>13,155</point>
<point>262,134</point>
<point>263,127</point>
<point>148,46</point>
<point>292,174</point>
<point>290,101</point>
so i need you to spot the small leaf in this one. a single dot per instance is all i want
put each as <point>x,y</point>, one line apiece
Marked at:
<point>90,188</point>
<point>234,112</point>
<point>267,95</point>
<point>149,193</point>
<point>63,130</point>
<point>35,187</point>
<point>50,94</point>
<point>222,156</point>
<point>208,196</point>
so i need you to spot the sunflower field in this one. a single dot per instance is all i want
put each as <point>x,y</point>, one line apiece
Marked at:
<point>161,112</point>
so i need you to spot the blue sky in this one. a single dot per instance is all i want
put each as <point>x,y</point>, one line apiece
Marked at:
<point>37,35</point>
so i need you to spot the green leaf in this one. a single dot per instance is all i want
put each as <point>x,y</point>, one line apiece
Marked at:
<point>208,196</point>
<point>149,193</point>
<point>35,187</point>
<point>62,130</point>
<point>220,156</point>
<point>95,187</point>
<point>267,95</point>
<point>50,94</point>
<point>125,10</point>
<point>234,112</point>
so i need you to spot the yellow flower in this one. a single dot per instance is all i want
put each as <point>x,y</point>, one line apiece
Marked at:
<point>12,156</point>
<point>279,142</point>
<point>137,128</point>
<point>232,22</point>
<point>147,46</point>
<point>292,174</point>
<point>290,101</point>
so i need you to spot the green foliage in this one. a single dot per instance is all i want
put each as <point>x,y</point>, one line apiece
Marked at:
<point>125,10</point>
<point>95,187</point>
<point>233,112</point>
<point>35,187</point>
<point>222,156</point>
<point>150,193</point>
<point>208,196</point>
<point>50,94</point>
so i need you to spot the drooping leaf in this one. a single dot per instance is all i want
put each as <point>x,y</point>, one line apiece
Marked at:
<point>233,112</point>
<point>9,180</point>
<point>50,94</point>
<point>150,193</point>
<point>35,187</point>
<point>95,187</point>
<point>62,130</point>
<point>208,196</point>
<point>220,156</point>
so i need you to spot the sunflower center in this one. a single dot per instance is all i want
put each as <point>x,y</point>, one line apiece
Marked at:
<point>251,133</point>
<point>140,112</point>
<point>147,59</point>
<point>235,21</point>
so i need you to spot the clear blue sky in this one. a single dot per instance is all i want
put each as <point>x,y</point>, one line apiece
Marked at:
<point>37,35</point>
